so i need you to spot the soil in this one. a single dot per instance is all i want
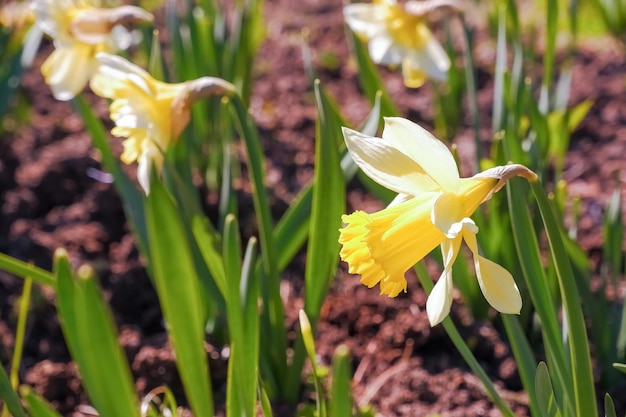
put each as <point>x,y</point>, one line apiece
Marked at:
<point>53,193</point>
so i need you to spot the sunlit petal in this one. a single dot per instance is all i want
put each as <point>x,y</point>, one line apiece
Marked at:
<point>431,60</point>
<point>366,20</point>
<point>387,165</point>
<point>433,157</point>
<point>440,299</point>
<point>447,211</point>
<point>496,283</point>
<point>67,70</point>
<point>383,50</point>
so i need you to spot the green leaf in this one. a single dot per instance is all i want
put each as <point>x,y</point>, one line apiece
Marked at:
<point>309,344</point>
<point>209,242</point>
<point>92,338</point>
<point>340,403</point>
<point>241,299</point>
<point>272,331</point>
<point>609,407</point>
<point>37,406</point>
<point>24,269</point>
<point>544,392</point>
<point>178,288</point>
<point>524,359</point>
<point>8,396</point>
<point>327,207</point>
<point>582,375</point>
<point>533,271</point>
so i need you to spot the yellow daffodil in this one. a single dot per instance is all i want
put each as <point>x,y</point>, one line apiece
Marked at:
<point>433,207</point>
<point>151,114</point>
<point>397,34</point>
<point>80,30</point>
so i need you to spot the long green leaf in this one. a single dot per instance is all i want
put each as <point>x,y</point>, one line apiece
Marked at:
<point>37,406</point>
<point>8,396</point>
<point>327,207</point>
<point>544,393</point>
<point>340,403</point>
<point>178,288</point>
<point>273,331</point>
<point>524,358</point>
<point>582,374</point>
<point>108,380</point>
<point>527,247</point>
<point>24,269</point>
<point>91,336</point>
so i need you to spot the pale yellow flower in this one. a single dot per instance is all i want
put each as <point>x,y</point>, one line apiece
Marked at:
<point>433,207</point>
<point>80,29</point>
<point>397,34</point>
<point>151,114</point>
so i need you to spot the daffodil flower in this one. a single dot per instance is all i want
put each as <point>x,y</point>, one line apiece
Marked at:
<point>151,114</point>
<point>80,30</point>
<point>433,207</point>
<point>397,34</point>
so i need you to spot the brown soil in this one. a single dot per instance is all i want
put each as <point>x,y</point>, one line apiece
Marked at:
<point>51,196</point>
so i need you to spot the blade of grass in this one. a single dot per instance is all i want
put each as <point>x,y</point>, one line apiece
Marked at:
<point>544,393</point>
<point>524,359</point>
<point>241,391</point>
<point>90,333</point>
<point>9,396</point>
<point>178,288</point>
<point>273,330</point>
<point>37,406</point>
<point>327,206</point>
<point>20,332</point>
<point>307,336</point>
<point>540,294</point>
<point>582,374</point>
<point>24,269</point>
<point>340,402</point>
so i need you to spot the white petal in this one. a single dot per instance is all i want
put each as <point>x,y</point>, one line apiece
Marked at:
<point>127,121</point>
<point>114,69</point>
<point>121,37</point>
<point>498,286</point>
<point>429,153</point>
<point>365,19</point>
<point>69,71</point>
<point>143,172</point>
<point>383,50</point>
<point>386,165</point>
<point>399,199</point>
<point>432,59</point>
<point>32,40</point>
<point>440,299</point>
<point>496,283</point>
<point>50,16</point>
